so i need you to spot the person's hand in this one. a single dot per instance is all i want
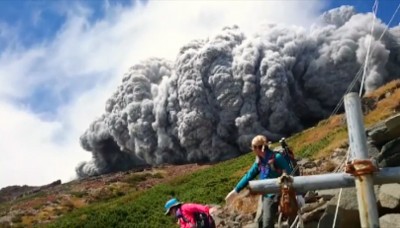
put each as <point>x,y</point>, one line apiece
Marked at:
<point>231,195</point>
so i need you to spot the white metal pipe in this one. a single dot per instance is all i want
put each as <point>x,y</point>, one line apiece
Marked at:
<point>325,181</point>
<point>358,147</point>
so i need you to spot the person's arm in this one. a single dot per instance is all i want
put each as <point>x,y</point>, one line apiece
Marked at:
<point>251,174</point>
<point>282,163</point>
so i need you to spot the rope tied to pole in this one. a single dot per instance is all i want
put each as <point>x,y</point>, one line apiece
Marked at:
<point>360,167</point>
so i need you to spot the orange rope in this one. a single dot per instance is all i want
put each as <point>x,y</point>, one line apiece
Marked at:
<point>361,167</point>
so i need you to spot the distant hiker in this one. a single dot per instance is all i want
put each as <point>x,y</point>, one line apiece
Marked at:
<point>268,164</point>
<point>190,215</point>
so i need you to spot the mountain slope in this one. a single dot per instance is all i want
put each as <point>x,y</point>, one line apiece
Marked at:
<point>136,199</point>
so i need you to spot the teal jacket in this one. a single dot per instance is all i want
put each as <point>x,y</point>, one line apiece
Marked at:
<point>254,171</point>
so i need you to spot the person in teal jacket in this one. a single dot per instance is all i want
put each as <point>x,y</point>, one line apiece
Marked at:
<point>268,164</point>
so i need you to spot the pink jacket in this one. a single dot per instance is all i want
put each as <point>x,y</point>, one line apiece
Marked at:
<point>188,210</point>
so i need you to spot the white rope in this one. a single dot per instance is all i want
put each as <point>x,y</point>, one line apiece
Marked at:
<point>364,67</point>
<point>340,192</point>
<point>374,9</point>
<point>390,21</point>
<point>337,208</point>
<point>349,88</point>
<point>373,49</point>
<point>295,222</point>
<point>352,84</point>
<point>387,27</point>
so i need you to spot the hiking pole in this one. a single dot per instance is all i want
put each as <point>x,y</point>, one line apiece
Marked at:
<point>289,157</point>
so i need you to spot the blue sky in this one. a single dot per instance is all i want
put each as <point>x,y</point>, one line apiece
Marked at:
<point>41,19</point>
<point>36,22</point>
<point>385,11</point>
<point>61,59</point>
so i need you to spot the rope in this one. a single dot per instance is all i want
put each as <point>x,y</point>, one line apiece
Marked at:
<point>390,21</point>
<point>363,65</point>
<point>294,170</point>
<point>352,84</point>
<point>341,189</point>
<point>337,208</point>
<point>374,10</point>
<point>363,68</point>
<point>349,88</point>
<point>295,221</point>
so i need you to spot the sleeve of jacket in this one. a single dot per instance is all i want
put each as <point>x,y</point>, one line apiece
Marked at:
<point>282,163</point>
<point>251,174</point>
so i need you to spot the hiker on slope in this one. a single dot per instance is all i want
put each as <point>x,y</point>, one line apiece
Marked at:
<point>268,164</point>
<point>190,215</point>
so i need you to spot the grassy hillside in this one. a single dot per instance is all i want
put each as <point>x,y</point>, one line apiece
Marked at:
<point>145,208</point>
<point>209,186</point>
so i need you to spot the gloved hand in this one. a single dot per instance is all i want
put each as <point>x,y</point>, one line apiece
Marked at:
<point>231,195</point>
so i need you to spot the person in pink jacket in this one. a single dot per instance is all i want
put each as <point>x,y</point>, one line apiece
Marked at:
<point>189,215</point>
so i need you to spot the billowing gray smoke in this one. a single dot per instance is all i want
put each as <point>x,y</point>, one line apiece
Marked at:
<point>221,91</point>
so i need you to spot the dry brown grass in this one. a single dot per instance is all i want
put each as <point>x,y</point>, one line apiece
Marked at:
<point>340,140</point>
<point>47,213</point>
<point>385,108</point>
<point>383,90</point>
<point>324,130</point>
<point>78,202</point>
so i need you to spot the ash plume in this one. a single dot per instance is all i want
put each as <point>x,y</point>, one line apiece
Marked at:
<point>221,91</point>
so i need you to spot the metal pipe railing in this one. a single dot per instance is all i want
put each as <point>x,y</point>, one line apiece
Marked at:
<point>325,181</point>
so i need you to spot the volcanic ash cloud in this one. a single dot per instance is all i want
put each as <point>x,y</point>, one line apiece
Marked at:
<point>223,90</point>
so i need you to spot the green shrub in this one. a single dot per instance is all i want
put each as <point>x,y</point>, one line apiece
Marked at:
<point>137,177</point>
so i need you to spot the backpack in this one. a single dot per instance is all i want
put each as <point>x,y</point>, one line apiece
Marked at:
<point>264,173</point>
<point>203,220</point>
<point>289,157</point>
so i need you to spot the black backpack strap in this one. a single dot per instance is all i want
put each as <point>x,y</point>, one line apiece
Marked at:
<point>204,220</point>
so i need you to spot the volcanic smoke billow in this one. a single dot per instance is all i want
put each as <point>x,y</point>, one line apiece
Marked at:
<point>221,91</point>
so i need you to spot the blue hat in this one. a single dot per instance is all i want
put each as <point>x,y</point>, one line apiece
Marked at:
<point>170,204</point>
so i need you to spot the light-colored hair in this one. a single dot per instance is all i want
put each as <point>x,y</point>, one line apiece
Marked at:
<point>259,140</point>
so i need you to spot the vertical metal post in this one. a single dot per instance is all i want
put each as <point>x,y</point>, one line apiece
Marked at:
<point>358,144</point>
